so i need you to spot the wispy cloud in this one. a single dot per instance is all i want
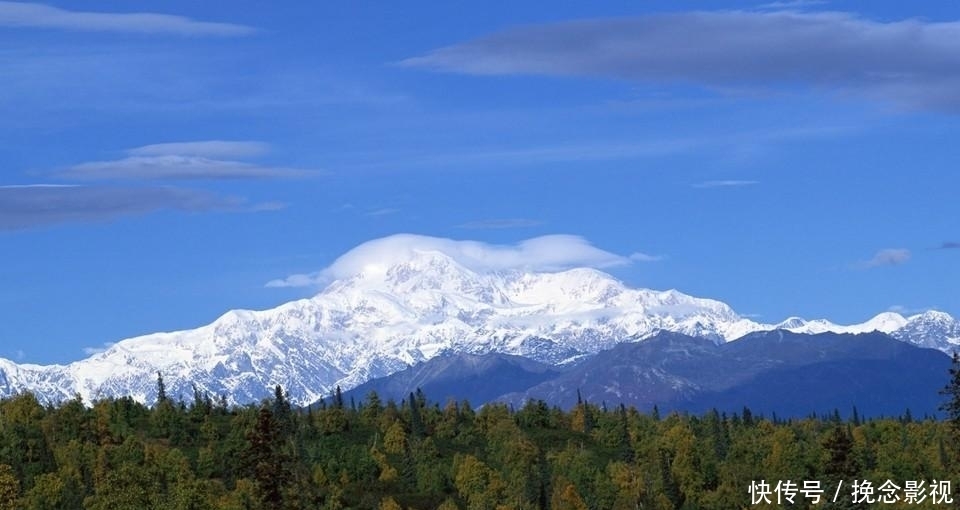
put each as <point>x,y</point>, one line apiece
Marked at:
<point>620,150</point>
<point>183,161</point>
<point>383,211</point>
<point>207,148</point>
<point>545,253</point>
<point>912,63</point>
<point>643,257</point>
<point>177,168</point>
<point>792,4</point>
<point>500,224</point>
<point>26,206</point>
<point>34,15</point>
<point>50,83</point>
<point>886,257</point>
<point>905,310</point>
<point>724,184</point>
<point>949,245</point>
<point>90,351</point>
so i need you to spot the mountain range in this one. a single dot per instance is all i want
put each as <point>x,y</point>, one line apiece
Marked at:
<point>771,372</point>
<point>384,318</point>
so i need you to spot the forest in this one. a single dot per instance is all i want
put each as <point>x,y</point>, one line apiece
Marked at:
<point>418,454</point>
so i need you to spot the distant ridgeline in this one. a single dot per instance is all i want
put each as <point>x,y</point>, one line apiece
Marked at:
<point>777,373</point>
<point>420,454</point>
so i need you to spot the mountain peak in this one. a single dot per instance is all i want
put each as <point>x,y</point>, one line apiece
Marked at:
<point>934,316</point>
<point>791,323</point>
<point>886,322</point>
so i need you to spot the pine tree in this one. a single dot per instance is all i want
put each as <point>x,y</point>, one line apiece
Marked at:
<point>952,392</point>
<point>841,467</point>
<point>841,464</point>
<point>265,461</point>
<point>669,483</point>
<point>282,413</point>
<point>416,420</point>
<point>952,407</point>
<point>626,452</point>
<point>408,467</point>
<point>161,389</point>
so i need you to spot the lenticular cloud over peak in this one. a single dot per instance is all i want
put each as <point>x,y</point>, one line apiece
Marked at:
<point>545,253</point>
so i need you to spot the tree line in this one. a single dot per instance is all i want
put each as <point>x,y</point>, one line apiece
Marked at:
<point>419,454</point>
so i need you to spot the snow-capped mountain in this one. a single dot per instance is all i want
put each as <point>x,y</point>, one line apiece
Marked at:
<point>385,317</point>
<point>887,322</point>
<point>930,329</point>
<point>933,329</point>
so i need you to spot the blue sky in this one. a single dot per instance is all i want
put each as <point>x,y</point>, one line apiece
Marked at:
<point>161,163</point>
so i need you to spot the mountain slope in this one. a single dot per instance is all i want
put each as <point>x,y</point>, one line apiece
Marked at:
<point>478,378</point>
<point>771,372</point>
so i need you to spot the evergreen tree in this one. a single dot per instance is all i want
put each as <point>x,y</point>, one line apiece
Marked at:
<point>841,467</point>
<point>264,460</point>
<point>416,419</point>
<point>282,414</point>
<point>670,486</point>
<point>952,393</point>
<point>952,407</point>
<point>841,464</point>
<point>161,389</point>
<point>408,467</point>
<point>625,453</point>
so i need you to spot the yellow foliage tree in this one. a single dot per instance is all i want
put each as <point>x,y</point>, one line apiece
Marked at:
<point>388,503</point>
<point>9,488</point>
<point>566,497</point>
<point>395,440</point>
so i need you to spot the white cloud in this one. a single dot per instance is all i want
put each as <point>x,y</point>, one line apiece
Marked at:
<point>209,159</point>
<point>383,211</point>
<point>643,257</point>
<point>32,15</point>
<point>887,257</point>
<point>792,4</point>
<point>298,280</point>
<point>905,310</point>
<point>724,184</point>
<point>177,167</point>
<point>207,148</point>
<point>90,351</point>
<point>545,253</point>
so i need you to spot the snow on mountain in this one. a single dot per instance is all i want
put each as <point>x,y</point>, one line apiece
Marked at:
<point>886,322</point>
<point>933,329</point>
<point>383,317</point>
